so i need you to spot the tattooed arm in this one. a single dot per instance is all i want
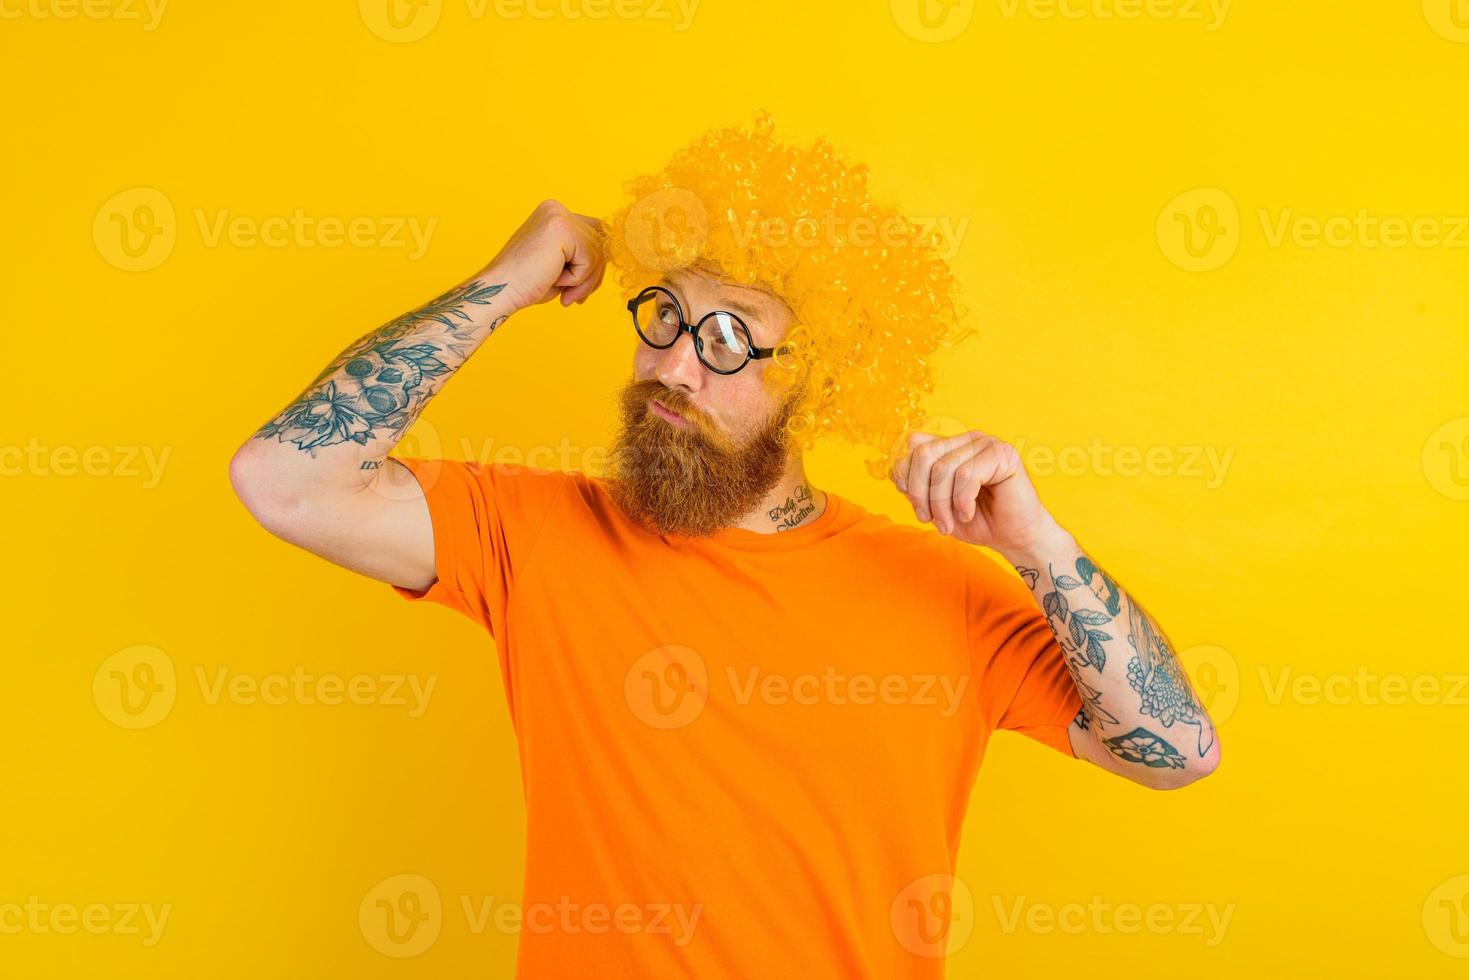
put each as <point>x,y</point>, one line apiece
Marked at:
<point>317,474</point>
<point>1140,717</point>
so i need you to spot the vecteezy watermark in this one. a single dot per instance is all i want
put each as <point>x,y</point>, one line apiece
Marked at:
<point>1216,679</point>
<point>564,455</point>
<point>1363,686</point>
<point>1097,916</point>
<point>301,230</point>
<point>1210,13</point>
<point>1097,458</point>
<point>831,686</point>
<point>667,228</point>
<point>1218,683</point>
<point>146,13</point>
<point>831,230</point>
<point>300,687</point>
<point>1200,230</point>
<point>1446,459</point>
<point>668,687</point>
<point>137,687</point>
<point>1363,229</point>
<point>1446,916</point>
<point>676,920</point>
<point>35,459</point>
<point>933,916</point>
<point>37,918</point>
<point>934,21</point>
<point>1448,18</point>
<point>406,21</point>
<point>137,229</point>
<point>403,916</point>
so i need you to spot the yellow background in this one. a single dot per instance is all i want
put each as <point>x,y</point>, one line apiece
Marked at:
<point>1332,544</point>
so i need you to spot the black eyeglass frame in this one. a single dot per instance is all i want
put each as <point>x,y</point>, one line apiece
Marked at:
<point>752,353</point>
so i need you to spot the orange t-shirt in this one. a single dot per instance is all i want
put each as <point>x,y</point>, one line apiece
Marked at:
<point>744,756</point>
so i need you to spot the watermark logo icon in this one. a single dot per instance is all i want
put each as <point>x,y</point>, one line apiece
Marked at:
<point>667,229</point>
<point>135,230</point>
<point>421,441</point>
<point>933,916</point>
<point>1216,679</point>
<point>135,687</point>
<point>1446,916</point>
<point>1446,459</point>
<point>401,916</point>
<point>401,21</point>
<point>1199,230</point>
<point>667,687</point>
<point>1449,18</point>
<point>932,21</point>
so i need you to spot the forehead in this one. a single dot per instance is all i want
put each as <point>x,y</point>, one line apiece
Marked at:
<point>755,306</point>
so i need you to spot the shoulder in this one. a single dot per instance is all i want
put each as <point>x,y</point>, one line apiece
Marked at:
<point>507,477</point>
<point>506,488</point>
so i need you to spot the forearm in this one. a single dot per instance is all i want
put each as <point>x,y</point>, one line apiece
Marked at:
<point>1137,702</point>
<point>336,434</point>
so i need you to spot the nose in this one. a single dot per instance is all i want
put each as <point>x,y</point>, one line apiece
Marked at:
<point>679,365</point>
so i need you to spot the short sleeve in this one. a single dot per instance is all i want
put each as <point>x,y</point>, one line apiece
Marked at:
<point>1024,684</point>
<point>486,519</point>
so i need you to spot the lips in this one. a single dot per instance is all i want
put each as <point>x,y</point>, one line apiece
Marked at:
<point>664,408</point>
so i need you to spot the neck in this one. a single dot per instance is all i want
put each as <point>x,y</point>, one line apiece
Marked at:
<point>791,503</point>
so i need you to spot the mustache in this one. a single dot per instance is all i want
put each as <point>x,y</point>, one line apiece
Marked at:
<point>675,401</point>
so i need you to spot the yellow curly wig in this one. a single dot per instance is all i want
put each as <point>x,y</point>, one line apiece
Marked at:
<point>872,294</point>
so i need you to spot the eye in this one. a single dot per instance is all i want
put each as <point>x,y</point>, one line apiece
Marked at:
<point>667,313</point>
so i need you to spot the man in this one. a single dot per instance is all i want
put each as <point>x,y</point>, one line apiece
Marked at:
<point>749,711</point>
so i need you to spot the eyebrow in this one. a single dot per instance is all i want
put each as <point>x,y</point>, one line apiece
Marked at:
<point>732,305</point>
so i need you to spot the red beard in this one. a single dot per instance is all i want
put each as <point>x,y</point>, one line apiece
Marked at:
<point>690,480</point>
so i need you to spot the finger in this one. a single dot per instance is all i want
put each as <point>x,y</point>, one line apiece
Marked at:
<point>928,449</point>
<point>941,483</point>
<point>972,476</point>
<point>996,462</point>
<point>584,257</point>
<point>580,292</point>
<point>596,284</point>
<point>898,472</point>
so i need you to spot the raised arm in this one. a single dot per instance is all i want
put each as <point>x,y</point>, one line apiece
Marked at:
<point>317,474</point>
<point>1140,717</point>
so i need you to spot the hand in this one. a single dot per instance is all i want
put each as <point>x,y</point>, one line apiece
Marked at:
<point>974,488</point>
<point>553,252</point>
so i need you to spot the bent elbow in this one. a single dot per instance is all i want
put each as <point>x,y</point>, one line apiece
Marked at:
<point>1195,770</point>
<point>263,494</point>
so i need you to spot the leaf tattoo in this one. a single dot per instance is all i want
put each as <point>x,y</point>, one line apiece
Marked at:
<point>1085,643</point>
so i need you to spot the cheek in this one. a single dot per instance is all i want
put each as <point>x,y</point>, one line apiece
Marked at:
<point>747,406</point>
<point>644,362</point>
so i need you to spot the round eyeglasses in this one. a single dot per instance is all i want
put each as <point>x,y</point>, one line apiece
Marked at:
<point>721,340</point>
